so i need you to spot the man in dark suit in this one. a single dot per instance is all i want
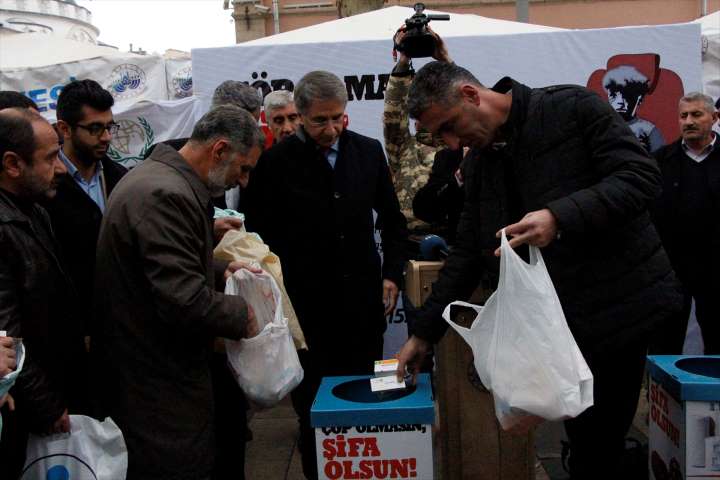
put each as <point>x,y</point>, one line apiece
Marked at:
<point>311,199</point>
<point>85,121</point>
<point>690,205</point>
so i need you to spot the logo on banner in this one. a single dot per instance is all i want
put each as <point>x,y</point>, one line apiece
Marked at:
<point>644,94</point>
<point>131,134</point>
<point>182,82</point>
<point>126,81</point>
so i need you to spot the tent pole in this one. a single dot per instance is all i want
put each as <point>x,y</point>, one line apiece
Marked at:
<point>276,17</point>
<point>522,10</point>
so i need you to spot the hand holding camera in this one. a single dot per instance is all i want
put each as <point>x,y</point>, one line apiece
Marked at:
<point>416,40</point>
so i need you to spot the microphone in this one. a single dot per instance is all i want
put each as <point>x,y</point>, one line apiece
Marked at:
<point>433,247</point>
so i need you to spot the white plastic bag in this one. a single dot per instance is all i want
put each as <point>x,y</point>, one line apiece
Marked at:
<point>266,366</point>
<point>92,450</point>
<point>524,351</point>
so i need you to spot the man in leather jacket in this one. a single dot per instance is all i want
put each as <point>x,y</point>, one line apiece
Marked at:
<point>37,299</point>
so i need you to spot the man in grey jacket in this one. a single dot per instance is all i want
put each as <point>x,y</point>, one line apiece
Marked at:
<point>157,307</point>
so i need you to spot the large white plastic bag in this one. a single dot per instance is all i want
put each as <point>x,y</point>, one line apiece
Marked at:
<point>92,450</point>
<point>266,366</point>
<point>523,348</point>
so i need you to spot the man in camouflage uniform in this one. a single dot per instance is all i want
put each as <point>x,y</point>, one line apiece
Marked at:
<point>410,157</point>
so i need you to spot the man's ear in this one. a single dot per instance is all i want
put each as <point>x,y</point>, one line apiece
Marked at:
<point>64,128</point>
<point>12,164</point>
<point>470,93</point>
<point>218,148</point>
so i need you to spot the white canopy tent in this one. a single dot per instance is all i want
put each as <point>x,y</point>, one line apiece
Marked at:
<point>358,50</point>
<point>33,50</point>
<point>710,25</point>
<point>39,65</point>
<point>382,24</point>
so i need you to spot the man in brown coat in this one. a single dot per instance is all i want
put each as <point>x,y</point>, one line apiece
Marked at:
<point>156,301</point>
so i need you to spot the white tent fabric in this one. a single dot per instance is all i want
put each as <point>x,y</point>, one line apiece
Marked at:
<point>29,50</point>
<point>710,25</point>
<point>381,24</point>
<point>40,65</point>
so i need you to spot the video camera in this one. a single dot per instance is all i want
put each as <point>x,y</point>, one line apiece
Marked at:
<point>418,42</point>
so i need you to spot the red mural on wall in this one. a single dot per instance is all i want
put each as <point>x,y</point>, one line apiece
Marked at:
<point>644,94</point>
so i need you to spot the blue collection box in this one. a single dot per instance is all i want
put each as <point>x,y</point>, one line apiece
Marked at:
<point>684,417</point>
<point>360,434</point>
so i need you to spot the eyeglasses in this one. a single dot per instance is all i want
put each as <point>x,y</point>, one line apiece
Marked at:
<point>97,129</point>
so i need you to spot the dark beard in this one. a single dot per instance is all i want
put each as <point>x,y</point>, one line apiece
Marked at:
<point>84,154</point>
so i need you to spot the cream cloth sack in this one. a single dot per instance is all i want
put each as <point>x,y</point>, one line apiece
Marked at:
<point>241,246</point>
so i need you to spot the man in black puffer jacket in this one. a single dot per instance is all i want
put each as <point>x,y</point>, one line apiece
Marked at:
<point>560,170</point>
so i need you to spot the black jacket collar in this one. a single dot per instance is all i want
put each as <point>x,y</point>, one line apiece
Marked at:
<point>518,107</point>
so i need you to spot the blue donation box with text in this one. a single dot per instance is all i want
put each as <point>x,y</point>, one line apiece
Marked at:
<point>684,431</point>
<point>362,434</point>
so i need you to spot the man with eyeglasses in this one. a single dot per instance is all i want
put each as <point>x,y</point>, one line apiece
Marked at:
<point>312,199</point>
<point>85,121</point>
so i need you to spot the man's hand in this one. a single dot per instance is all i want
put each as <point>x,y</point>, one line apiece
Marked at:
<point>235,266</point>
<point>390,295</point>
<point>537,228</point>
<point>223,225</point>
<point>251,325</point>
<point>411,356</point>
<point>441,53</point>
<point>403,60</point>
<point>8,362</point>
<point>62,424</point>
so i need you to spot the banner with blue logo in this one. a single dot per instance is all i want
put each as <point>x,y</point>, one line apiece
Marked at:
<point>129,78</point>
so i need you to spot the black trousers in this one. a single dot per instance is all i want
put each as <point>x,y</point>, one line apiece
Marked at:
<point>355,359</point>
<point>707,312</point>
<point>597,436</point>
<point>230,422</point>
<point>668,337</point>
<point>13,441</point>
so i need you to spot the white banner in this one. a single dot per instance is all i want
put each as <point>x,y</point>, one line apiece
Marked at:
<point>146,123</point>
<point>537,59</point>
<point>129,80</point>
<point>178,73</point>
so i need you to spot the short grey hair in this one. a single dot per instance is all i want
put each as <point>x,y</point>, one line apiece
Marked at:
<point>319,85</point>
<point>277,99</point>
<point>236,125</point>
<point>706,100</point>
<point>437,83</point>
<point>232,92</point>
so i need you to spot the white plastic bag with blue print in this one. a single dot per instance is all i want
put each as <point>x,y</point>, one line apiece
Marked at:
<point>266,366</point>
<point>92,450</point>
<point>524,351</point>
